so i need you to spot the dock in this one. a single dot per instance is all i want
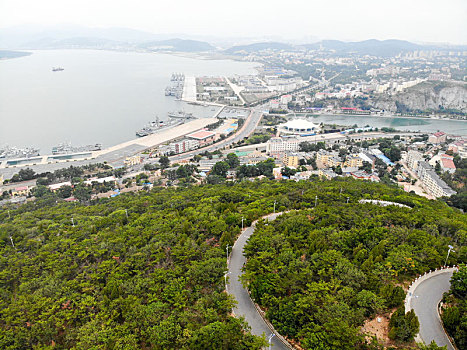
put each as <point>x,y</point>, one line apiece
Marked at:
<point>114,155</point>
<point>189,90</point>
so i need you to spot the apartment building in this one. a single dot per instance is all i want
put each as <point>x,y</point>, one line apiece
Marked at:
<point>413,157</point>
<point>276,145</point>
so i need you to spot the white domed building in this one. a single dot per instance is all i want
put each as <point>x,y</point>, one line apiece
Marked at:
<point>299,126</point>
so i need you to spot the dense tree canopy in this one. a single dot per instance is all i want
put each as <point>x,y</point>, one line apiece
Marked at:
<point>454,315</point>
<point>320,272</point>
<point>146,270</point>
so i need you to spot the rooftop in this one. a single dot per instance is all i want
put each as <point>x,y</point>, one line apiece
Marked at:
<point>201,135</point>
<point>439,133</point>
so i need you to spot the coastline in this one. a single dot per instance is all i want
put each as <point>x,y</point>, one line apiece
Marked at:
<point>114,155</point>
<point>11,54</point>
<point>376,116</point>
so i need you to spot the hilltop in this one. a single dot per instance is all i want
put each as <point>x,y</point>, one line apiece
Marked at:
<point>147,270</point>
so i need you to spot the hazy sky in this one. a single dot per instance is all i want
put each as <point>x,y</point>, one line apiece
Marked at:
<point>415,20</point>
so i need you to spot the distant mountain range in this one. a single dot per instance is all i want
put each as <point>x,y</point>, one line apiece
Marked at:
<point>273,46</point>
<point>37,37</point>
<point>178,45</point>
<point>373,47</point>
<point>384,48</point>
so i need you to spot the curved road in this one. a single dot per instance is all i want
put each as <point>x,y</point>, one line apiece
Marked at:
<point>245,306</point>
<point>251,122</point>
<point>425,301</point>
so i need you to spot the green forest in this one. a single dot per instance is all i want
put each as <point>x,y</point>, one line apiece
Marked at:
<point>320,272</point>
<point>454,308</point>
<point>146,270</point>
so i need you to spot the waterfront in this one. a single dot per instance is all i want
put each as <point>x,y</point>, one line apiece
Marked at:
<point>100,97</point>
<point>456,127</point>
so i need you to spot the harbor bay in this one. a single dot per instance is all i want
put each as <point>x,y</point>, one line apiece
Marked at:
<point>412,124</point>
<point>100,96</point>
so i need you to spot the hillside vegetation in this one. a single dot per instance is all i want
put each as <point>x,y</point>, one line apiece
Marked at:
<point>319,273</point>
<point>146,271</point>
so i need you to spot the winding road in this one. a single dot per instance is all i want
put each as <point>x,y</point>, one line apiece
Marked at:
<point>245,306</point>
<point>424,300</point>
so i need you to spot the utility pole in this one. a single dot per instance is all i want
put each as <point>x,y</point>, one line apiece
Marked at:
<point>316,201</point>
<point>274,207</point>
<point>225,278</point>
<point>242,222</point>
<point>347,200</point>
<point>227,248</point>
<point>72,222</point>
<point>272,335</point>
<point>449,251</point>
<point>9,217</point>
<point>12,244</point>
<point>126,212</point>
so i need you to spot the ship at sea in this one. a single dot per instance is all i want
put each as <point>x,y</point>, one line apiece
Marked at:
<point>158,125</point>
<point>180,115</point>
<point>57,69</point>
<point>66,148</point>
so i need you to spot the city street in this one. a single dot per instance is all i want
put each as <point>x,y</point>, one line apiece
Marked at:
<point>248,128</point>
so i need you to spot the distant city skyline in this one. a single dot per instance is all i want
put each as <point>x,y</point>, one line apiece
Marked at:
<point>422,21</point>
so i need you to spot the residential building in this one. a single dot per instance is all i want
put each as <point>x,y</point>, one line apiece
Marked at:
<point>437,137</point>
<point>290,159</point>
<point>422,168</point>
<point>327,173</point>
<point>334,162</point>
<point>353,161</point>
<point>413,157</point>
<point>184,145</point>
<point>362,175</point>
<point>435,186</point>
<point>285,99</point>
<point>447,163</point>
<point>56,187</point>
<point>134,160</point>
<point>20,191</point>
<point>100,180</point>
<point>276,145</point>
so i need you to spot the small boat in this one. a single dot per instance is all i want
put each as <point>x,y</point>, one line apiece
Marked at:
<point>57,69</point>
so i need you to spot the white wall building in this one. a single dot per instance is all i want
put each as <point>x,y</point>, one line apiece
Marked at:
<point>277,145</point>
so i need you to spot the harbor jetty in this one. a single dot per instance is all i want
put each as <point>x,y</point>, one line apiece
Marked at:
<point>114,155</point>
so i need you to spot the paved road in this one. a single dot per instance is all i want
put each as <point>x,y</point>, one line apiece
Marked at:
<point>425,303</point>
<point>245,306</point>
<point>251,122</point>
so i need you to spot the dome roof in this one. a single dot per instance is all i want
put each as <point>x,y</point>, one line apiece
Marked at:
<point>300,125</point>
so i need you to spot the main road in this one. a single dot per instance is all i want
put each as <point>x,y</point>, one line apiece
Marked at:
<point>424,301</point>
<point>245,306</point>
<point>251,122</point>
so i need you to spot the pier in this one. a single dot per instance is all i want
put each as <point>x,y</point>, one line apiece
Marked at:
<point>114,155</point>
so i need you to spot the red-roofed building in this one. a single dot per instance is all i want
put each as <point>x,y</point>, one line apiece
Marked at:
<point>437,137</point>
<point>447,163</point>
<point>20,191</point>
<point>204,137</point>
